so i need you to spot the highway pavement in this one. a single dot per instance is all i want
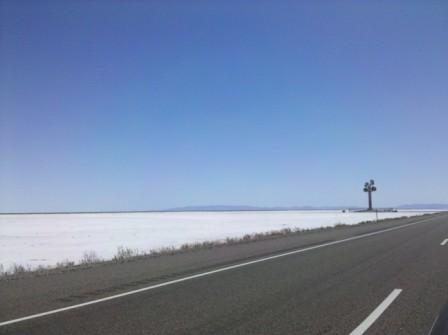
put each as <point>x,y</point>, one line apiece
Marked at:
<point>387,278</point>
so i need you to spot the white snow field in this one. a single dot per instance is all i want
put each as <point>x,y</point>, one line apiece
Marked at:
<point>45,239</point>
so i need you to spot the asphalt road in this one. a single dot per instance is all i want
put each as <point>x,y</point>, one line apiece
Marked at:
<point>392,282</point>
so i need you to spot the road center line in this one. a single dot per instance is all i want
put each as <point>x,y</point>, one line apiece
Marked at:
<point>362,328</point>
<point>203,274</point>
<point>445,241</point>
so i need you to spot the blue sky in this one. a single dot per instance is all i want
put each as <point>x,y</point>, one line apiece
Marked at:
<point>133,105</point>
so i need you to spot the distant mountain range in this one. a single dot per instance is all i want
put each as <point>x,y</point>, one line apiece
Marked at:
<point>423,206</point>
<point>224,208</point>
<point>218,208</point>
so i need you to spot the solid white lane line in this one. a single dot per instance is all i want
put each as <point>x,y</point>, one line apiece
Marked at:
<point>203,274</point>
<point>361,329</point>
<point>433,324</point>
<point>445,241</point>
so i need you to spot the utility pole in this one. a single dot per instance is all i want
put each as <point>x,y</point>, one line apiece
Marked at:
<point>370,187</point>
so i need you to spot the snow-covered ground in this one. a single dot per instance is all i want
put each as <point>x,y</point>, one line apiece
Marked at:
<point>45,239</point>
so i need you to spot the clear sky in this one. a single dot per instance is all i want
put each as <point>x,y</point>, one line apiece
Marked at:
<point>134,105</point>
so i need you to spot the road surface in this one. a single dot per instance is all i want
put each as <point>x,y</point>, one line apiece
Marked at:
<point>388,278</point>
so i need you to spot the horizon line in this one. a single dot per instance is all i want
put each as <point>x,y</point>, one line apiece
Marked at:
<point>235,208</point>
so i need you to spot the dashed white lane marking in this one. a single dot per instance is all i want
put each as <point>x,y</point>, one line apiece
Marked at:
<point>203,274</point>
<point>445,241</point>
<point>361,329</point>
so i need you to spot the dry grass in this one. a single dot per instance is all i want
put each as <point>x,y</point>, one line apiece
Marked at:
<point>65,264</point>
<point>124,254</point>
<point>89,257</point>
